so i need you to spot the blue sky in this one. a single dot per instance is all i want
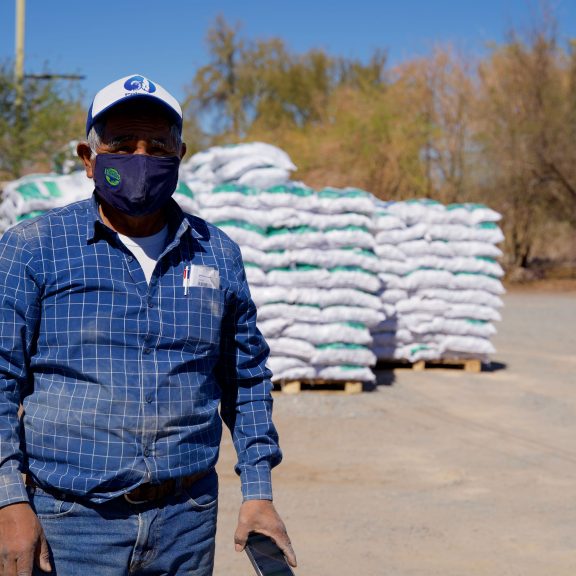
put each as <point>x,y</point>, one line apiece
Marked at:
<point>165,39</point>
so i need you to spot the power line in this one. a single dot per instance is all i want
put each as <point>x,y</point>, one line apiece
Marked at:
<point>54,76</point>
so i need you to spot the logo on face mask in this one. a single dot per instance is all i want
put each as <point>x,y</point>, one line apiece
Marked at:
<point>139,83</point>
<point>112,176</point>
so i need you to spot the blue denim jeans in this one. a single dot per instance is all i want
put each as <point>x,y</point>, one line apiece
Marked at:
<point>176,536</point>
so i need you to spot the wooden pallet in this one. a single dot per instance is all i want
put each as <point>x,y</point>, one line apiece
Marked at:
<point>297,386</point>
<point>466,364</point>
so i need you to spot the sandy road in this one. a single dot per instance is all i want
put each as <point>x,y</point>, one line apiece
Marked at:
<point>441,472</point>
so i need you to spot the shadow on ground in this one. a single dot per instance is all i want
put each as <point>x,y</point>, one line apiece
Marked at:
<point>387,377</point>
<point>494,366</point>
<point>383,378</point>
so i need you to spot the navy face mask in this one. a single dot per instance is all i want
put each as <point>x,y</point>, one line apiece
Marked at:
<point>136,184</point>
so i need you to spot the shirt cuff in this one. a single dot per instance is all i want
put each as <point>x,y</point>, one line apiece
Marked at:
<point>12,489</point>
<point>256,483</point>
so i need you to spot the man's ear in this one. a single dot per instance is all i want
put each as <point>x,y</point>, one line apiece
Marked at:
<point>182,150</point>
<point>85,154</point>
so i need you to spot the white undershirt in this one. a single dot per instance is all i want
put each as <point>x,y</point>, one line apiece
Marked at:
<point>146,249</point>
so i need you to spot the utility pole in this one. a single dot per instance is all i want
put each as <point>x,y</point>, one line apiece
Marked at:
<point>19,83</point>
<point>19,78</point>
<point>19,63</point>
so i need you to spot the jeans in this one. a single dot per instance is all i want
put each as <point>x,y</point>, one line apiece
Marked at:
<point>175,536</point>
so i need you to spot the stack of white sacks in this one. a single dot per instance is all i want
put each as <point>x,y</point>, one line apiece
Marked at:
<point>31,195</point>
<point>309,258</point>
<point>253,164</point>
<point>340,279</point>
<point>313,274</point>
<point>442,282</point>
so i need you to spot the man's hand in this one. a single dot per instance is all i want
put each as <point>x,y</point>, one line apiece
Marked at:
<point>22,541</point>
<point>261,516</point>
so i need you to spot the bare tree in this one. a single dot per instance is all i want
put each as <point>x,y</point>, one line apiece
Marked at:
<point>524,135</point>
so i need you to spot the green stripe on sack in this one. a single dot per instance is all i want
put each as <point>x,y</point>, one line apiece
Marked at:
<point>295,230</point>
<point>53,189</point>
<point>469,206</point>
<point>343,193</point>
<point>28,215</point>
<point>246,190</point>
<point>184,190</point>
<point>419,348</point>
<point>361,251</point>
<point>297,268</point>
<point>355,325</point>
<point>240,224</point>
<point>423,202</point>
<point>487,259</point>
<point>341,346</point>
<point>349,228</point>
<point>30,190</point>
<point>302,192</point>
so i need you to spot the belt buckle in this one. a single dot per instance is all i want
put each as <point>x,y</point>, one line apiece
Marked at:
<point>143,490</point>
<point>168,487</point>
<point>134,502</point>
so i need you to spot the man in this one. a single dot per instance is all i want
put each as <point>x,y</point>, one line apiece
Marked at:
<point>124,325</point>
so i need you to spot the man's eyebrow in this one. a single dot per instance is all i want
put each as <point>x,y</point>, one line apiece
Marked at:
<point>118,140</point>
<point>160,143</point>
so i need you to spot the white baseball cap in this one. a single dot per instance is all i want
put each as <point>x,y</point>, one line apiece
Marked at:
<point>133,86</point>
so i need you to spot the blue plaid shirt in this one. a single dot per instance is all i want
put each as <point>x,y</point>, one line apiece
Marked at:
<point>121,380</point>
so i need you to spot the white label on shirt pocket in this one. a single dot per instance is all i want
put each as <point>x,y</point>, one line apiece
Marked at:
<point>204,277</point>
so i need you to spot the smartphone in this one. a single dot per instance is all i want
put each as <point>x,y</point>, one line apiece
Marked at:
<point>266,557</point>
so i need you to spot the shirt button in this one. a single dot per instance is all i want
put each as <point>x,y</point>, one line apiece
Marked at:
<point>146,452</point>
<point>147,350</point>
<point>149,398</point>
<point>130,258</point>
<point>150,304</point>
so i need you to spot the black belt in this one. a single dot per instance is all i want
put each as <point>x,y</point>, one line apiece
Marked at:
<point>147,492</point>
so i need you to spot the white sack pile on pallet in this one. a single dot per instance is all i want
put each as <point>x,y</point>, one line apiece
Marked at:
<point>340,279</point>
<point>32,195</point>
<point>442,282</point>
<point>252,164</point>
<point>312,271</point>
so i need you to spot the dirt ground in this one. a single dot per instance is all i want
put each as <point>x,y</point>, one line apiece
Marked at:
<point>441,472</point>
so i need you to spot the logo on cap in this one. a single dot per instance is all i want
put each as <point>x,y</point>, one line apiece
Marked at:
<point>139,83</point>
<point>112,176</point>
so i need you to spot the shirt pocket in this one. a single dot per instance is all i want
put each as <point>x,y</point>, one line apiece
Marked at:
<point>206,307</point>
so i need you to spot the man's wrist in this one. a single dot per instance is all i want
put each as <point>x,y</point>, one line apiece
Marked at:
<point>256,483</point>
<point>12,489</point>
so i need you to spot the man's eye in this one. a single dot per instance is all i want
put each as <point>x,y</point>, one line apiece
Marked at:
<point>159,152</point>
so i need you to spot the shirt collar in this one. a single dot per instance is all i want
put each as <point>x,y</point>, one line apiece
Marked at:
<point>178,224</point>
<point>95,227</point>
